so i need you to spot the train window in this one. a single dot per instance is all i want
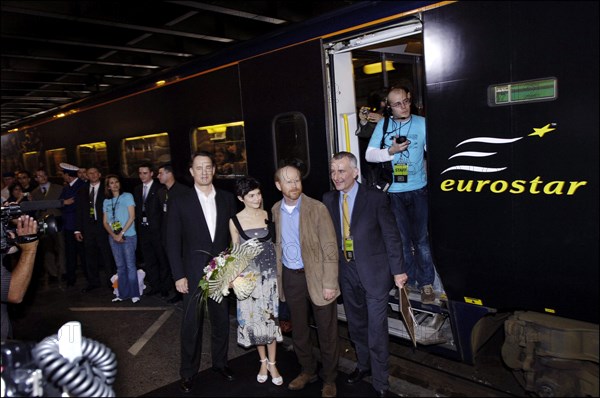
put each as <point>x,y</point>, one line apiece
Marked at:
<point>153,148</point>
<point>93,154</point>
<point>228,143</point>
<point>31,160</point>
<point>53,158</point>
<point>290,138</point>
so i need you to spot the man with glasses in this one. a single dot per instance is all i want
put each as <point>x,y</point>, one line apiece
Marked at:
<point>404,144</point>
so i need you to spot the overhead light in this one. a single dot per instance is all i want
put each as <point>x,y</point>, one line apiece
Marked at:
<point>371,69</point>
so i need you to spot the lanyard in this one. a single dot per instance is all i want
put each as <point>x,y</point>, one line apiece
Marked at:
<point>114,206</point>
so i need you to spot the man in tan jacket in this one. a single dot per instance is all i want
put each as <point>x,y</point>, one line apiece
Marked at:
<point>307,276</point>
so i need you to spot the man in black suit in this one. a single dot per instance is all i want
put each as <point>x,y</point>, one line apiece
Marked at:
<point>148,218</point>
<point>90,231</point>
<point>198,230</point>
<point>171,189</point>
<point>370,252</point>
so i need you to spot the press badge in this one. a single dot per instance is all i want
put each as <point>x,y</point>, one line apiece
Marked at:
<point>165,207</point>
<point>349,248</point>
<point>401,172</point>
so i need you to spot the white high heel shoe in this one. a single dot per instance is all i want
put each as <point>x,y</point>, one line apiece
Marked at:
<point>276,380</point>
<point>262,378</point>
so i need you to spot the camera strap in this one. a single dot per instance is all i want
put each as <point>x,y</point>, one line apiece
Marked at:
<point>27,239</point>
<point>384,133</point>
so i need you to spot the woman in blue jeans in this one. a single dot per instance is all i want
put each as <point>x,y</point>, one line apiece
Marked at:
<point>119,217</point>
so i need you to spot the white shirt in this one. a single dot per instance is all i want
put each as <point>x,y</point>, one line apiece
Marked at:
<point>209,208</point>
<point>148,185</point>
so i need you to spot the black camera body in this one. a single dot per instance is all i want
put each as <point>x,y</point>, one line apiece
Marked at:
<point>47,225</point>
<point>20,374</point>
<point>401,139</point>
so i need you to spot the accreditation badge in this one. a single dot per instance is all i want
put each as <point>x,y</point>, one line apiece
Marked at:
<point>349,248</point>
<point>401,172</point>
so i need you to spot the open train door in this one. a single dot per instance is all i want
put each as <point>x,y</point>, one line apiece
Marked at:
<point>358,66</point>
<point>351,80</point>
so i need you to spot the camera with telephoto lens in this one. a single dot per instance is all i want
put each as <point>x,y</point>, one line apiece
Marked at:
<point>46,225</point>
<point>401,139</point>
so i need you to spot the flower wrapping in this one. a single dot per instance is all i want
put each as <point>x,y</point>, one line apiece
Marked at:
<point>244,285</point>
<point>226,267</point>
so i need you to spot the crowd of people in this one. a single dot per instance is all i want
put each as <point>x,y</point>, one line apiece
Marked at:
<point>358,242</point>
<point>99,225</point>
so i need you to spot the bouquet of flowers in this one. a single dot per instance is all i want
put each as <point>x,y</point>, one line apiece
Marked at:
<point>226,267</point>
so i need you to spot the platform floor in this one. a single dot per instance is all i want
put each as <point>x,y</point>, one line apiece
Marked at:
<point>145,338</point>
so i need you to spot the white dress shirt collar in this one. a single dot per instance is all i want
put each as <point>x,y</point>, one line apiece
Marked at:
<point>209,208</point>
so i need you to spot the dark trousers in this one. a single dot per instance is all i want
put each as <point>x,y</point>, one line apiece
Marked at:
<point>156,264</point>
<point>192,328</point>
<point>51,251</point>
<point>367,324</point>
<point>299,303</point>
<point>72,250</point>
<point>98,254</point>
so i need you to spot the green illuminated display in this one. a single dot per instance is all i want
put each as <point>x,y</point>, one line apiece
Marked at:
<point>523,92</point>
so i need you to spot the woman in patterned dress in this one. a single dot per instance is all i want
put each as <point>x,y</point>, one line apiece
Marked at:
<point>258,322</point>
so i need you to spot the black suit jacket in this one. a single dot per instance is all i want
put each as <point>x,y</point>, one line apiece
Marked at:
<point>153,208</point>
<point>377,243</point>
<point>164,197</point>
<point>189,245</point>
<point>82,211</point>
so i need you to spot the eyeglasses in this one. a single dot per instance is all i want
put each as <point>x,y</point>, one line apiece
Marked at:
<point>404,102</point>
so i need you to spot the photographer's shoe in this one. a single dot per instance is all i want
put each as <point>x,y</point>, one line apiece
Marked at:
<point>427,295</point>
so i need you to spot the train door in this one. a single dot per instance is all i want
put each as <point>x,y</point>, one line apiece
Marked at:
<point>360,70</point>
<point>283,102</point>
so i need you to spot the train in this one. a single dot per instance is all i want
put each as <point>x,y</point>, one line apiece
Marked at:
<point>509,91</point>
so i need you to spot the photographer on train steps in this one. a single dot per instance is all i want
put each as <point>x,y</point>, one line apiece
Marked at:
<point>404,144</point>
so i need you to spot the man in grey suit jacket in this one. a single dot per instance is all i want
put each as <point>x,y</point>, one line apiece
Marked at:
<point>370,255</point>
<point>198,229</point>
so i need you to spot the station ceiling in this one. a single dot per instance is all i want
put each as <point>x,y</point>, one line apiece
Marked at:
<point>57,53</point>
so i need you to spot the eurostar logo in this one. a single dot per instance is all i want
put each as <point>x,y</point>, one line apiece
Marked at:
<point>534,186</point>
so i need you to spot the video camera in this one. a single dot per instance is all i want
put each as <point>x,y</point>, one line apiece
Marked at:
<point>47,224</point>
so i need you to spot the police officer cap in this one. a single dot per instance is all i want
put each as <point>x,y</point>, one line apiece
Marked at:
<point>69,169</point>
